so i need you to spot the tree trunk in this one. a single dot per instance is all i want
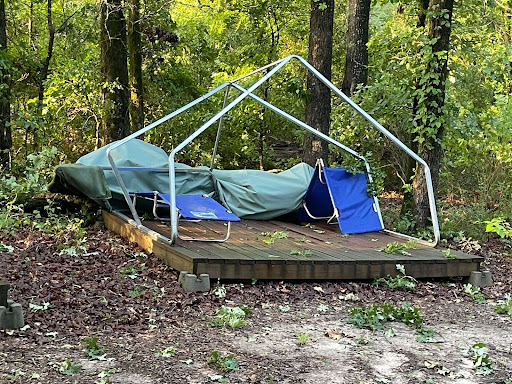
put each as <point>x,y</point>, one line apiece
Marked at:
<point>135,59</point>
<point>430,117</point>
<point>356,61</point>
<point>44,69</point>
<point>30,22</point>
<point>114,70</point>
<point>408,205</point>
<point>318,104</point>
<point>5,106</point>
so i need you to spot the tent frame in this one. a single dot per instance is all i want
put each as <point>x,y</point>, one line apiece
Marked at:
<point>271,68</point>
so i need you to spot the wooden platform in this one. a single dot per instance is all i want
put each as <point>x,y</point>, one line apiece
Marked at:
<point>306,253</point>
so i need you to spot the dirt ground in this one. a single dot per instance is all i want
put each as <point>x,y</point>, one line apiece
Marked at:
<point>296,333</point>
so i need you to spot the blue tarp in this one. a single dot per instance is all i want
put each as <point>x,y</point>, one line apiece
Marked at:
<point>340,189</point>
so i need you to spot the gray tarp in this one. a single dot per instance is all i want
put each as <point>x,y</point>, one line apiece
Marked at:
<point>250,194</point>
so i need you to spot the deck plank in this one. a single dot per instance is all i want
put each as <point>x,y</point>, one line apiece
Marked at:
<point>245,255</point>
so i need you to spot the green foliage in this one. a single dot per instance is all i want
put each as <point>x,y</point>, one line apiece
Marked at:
<point>67,367</point>
<point>166,352</point>
<point>499,226</point>
<point>376,315</point>
<point>474,293</point>
<point>399,248</point>
<point>233,317</point>
<point>505,305</point>
<point>481,361</point>
<point>448,254</point>
<point>270,238</point>
<point>36,307</point>
<point>228,363</point>
<point>425,335</point>
<point>6,248</point>
<point>302,338</point>
<point>93,349</point>
<point>132,271</point>
<point>401,280</point>
<point>28,180</point>
<point>301,252</point>
<point>220,290</point>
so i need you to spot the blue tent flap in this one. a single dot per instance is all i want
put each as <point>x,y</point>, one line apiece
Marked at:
<point>317,199</point>
<point>357,211</point>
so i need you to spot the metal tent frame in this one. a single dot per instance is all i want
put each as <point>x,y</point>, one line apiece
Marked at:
<point>244,93</point>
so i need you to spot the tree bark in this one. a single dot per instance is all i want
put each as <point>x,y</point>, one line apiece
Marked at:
<point>135,59</point>
<point>5,105</point>
<point>114,70</point>
<point>318,104</point>
<point>430,125</point>
<point>408,204</point>
<point>356,61</point>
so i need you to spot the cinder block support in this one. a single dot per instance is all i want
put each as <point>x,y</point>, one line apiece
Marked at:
<point>475,278</point>
<point>487,279</point>
<point>11,317</point>
<point>481,279</point>
<point>191,283</point>
<point>11,314</point>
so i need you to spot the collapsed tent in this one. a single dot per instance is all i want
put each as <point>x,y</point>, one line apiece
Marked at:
<point>250,194</point>
<point>113,174</point>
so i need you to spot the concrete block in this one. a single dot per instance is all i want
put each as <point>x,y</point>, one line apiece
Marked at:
<point>475,278</point>
<point>191,283</point>
<point>12,316</point>
<point>181,276</point>
<point>487,279</point>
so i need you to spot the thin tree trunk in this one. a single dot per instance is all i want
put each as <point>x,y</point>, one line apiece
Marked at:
<point>5,105</point>
<point>408,204</point>
<point>135,59</point>
<point>30,23</point>
<point>431,127</point>
<point>114,70</point>
<point>45,67</point>
<point>318,104</point>
<point>356,60</point>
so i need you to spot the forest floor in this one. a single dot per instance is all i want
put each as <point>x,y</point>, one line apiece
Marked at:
<point>150,331</point>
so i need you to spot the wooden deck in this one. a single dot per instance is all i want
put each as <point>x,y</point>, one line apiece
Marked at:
<point>307,253</point>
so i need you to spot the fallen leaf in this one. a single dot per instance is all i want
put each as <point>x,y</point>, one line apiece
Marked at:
<point>334,334</point>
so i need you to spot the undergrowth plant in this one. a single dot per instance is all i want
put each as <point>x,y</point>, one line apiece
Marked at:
<point>301,252</point>
<point>499,226</point>
<point>29,181</point>
<point>233,317</point>
<point>375,316</point>
<point>424,335</point>
<point>67,367</point>
<point>473,292</point>
<point>228,363</point>
<point>505,305</point>
<point>401,280</point>
<point>270,237</point>
<point>6,248</point>
<point>481,360</point>
<point>93,349</point>
<point>302,338</point>
<point>166,352</point>
<point>395,247</point>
